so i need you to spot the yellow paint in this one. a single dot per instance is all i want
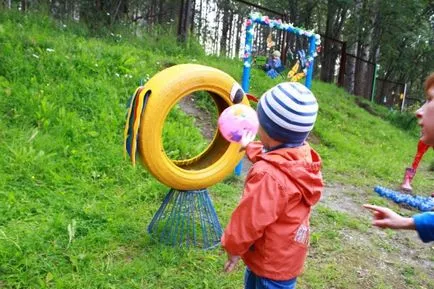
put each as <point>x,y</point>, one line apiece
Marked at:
<point>166,88</point>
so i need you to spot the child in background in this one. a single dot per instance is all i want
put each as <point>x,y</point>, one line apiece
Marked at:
<point>274,65</point>
<point>269,229</point>
<point>274,61</point>
<point>422,147</point>
<point>422,223</point>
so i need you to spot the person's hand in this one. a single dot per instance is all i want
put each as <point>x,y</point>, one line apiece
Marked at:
<point>231,263</point>
<point>247,138</point>
<point>386,218</point>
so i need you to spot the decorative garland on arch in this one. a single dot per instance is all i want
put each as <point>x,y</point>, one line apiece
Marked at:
<point>278,24</point>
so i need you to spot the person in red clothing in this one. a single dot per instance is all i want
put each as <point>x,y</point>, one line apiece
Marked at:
<point>422,147</point>
<point>410,172</point>
<point>422,223</point>
<point>269,229</point>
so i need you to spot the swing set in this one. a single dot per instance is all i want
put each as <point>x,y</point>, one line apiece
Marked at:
<point>307,61</point>
<point>303,67</point>
<point>296,72</point>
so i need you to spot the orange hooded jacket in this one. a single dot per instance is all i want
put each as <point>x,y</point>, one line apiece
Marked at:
<point>270,227</point>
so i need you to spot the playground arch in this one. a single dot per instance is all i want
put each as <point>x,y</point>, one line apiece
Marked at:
<point>256,18</point>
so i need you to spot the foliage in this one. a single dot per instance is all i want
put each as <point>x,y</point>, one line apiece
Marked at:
<point>177,128</point>
<point>406,120</point>
<point>397,35</point>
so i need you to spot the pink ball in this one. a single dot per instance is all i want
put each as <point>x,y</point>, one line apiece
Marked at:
<point>236,119</point>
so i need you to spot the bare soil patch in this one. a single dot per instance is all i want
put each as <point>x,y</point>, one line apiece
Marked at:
<point>203,117</point>
<point>386,250</point>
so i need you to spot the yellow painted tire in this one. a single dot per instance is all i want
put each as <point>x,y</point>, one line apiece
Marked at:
<point>164,90</point>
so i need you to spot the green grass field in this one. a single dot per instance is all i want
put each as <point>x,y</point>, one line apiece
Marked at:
<point>73,212</point>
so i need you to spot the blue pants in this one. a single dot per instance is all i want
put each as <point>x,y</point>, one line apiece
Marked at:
<point>251,281</point>
<point>272,73</point>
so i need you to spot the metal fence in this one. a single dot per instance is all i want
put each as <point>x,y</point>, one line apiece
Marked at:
<point>359,76</point>
<point>333,64</point>
<point>390,93</point>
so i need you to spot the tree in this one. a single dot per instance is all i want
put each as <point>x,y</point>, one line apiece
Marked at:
<point>337,13</point>
<point>184,19</point>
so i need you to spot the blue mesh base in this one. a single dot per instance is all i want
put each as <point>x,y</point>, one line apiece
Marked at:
<point>186,218</point>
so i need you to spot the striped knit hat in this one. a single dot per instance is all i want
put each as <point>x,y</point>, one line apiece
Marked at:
<point>287,112</point>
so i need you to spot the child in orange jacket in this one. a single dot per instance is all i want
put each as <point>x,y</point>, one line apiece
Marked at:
<point>269,229</point>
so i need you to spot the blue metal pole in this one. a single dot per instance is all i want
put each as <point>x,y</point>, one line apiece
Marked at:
<point>239,169</point>
<point>247,64</point>
<point>247,58</point>
<point>312,49</point>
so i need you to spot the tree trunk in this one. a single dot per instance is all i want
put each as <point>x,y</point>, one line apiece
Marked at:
<point>362,80</point>
<point>199,20</point>
<point>336,16</point>
<point>376,34</point>
<point>240,27</point>
<point>193,15</point>
<point>204,32</point>
<point>160,11</point>
<point>350,69</point>
<point>310,6</point>
<point>216,34</point>
<point>184,20</point>
<point>229,47</point>
<point>225,28</point>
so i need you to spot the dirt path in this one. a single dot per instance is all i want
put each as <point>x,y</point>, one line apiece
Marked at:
<point>387,257</point>
<point>203,118</point>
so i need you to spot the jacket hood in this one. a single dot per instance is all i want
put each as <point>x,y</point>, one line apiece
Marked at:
<point>302,165</point>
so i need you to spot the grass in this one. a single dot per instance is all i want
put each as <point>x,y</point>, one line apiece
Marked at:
<point>73,213</point>
<point>177,128</point>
